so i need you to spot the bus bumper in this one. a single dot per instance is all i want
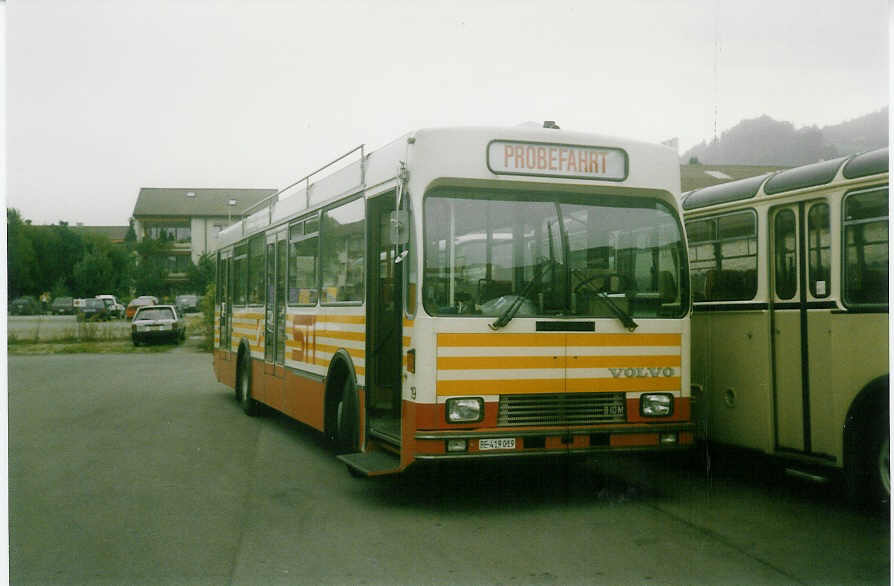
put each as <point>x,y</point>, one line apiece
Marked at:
<point>465,444</point>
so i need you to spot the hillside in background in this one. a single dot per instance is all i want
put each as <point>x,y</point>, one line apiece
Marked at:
<point>765,141</point>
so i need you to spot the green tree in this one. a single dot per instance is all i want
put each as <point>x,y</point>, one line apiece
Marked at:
<point>21,260</point>
<point>201,274</point>
<point>151,271</point>
<point>93,274</point>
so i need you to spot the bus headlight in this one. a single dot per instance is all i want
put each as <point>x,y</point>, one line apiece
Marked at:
<point>656,405</point>
<point>465,410</point>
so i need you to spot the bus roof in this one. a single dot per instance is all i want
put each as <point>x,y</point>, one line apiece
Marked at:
<point>854,167</point>
<point>459,152</point>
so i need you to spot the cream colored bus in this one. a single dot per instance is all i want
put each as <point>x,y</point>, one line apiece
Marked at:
<point>790,327</point>
<point>467,293</point>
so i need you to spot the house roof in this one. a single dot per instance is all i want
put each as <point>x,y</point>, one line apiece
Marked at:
<point>698,176</point>
<point>165,201</point>
<point>113,233</point>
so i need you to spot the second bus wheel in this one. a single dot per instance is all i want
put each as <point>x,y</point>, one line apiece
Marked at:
<point>346,419</point>
<point>249,405</point>
<point>868,466</point>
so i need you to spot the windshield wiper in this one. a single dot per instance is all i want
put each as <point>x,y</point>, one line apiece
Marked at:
<point>516,304</point>
<point>622,315</point>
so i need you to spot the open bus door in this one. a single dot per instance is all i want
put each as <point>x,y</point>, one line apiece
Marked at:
<point>384,337</point>
<point>383,321</point>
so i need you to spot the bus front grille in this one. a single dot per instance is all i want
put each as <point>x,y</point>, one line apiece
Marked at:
<point>562,409</point>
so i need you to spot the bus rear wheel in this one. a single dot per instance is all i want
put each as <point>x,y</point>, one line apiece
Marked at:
<point>243,394</point>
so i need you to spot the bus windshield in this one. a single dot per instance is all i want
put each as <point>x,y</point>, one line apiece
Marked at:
<point>551,254</point>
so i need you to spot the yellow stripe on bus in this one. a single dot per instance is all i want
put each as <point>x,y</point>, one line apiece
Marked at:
<point>341,319</point>
<point>576,340</point>
<point>516,362</point>
<point>341,335</point>
<point>541,339</point>
<point>633,384</point>
<point>554,385</point>
<point>501,340</point>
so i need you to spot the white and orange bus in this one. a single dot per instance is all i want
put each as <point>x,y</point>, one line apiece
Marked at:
<point>790,327</point>
<point>467,293</point>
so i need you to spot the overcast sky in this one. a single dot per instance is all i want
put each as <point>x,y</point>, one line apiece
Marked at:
<point>106,97</point>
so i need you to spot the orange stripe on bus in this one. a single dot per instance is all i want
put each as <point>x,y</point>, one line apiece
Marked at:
<point>355,352</point>
<point>501,340</point>
<point>341,335</point>
<point>341,319</point>
<point>556,385</point>
<point>499,387</point>
<point>595,385</point>
<point>514,362</point>
<point>499,362</point>
<point>623,339</point>
<point>623,361</point>
<point>558,339</point>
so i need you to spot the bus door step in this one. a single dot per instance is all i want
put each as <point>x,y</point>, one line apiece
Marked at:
<point>372,463</point>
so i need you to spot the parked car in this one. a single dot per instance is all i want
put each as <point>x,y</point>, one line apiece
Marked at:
<point>93,310</point>
<point>62,306</point>
<point>139,302</point>
<point>187,303</point>
<point>155,322</point>
<point>114,308</point>
<point>25,305</point>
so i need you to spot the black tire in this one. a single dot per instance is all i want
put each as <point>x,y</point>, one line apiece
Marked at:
<point>136,342</point>
<point>868,471</point>
<point>879,464</point>
<point>346,420</point>
<point>243,386</point>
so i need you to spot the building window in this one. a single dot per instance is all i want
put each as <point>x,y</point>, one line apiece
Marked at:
<point>178,263</point>
<point>172,232</point>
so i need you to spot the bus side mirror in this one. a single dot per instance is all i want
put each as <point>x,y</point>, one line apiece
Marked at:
<point>399,221</point>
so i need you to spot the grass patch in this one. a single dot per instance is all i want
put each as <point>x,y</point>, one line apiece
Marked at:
<point>79,347</point>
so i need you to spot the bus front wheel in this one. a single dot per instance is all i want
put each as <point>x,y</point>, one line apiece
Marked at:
<point>868,472</point>
<point>346,418</point>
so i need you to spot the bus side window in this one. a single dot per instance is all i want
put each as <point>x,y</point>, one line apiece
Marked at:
<point>342,252</point>
<point>866,247</point>
<point>819,250</point>
<point>786,273</point>
<point>723,257</point>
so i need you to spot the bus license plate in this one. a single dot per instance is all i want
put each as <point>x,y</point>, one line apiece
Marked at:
<point>507,443</point>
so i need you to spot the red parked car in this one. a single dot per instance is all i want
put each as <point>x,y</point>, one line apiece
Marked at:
<point>139,302</point>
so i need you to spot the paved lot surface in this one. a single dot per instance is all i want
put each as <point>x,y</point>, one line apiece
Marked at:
<point>141,469</point>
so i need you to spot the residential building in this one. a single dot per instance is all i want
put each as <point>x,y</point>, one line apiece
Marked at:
<point>190,218</point>
<point>115,234</point>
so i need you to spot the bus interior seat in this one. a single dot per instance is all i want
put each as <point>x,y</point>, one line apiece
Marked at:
<point>490,289</point>
<point>667,287</point>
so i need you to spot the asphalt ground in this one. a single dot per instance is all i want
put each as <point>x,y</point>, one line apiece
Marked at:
<point>141,469</point>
